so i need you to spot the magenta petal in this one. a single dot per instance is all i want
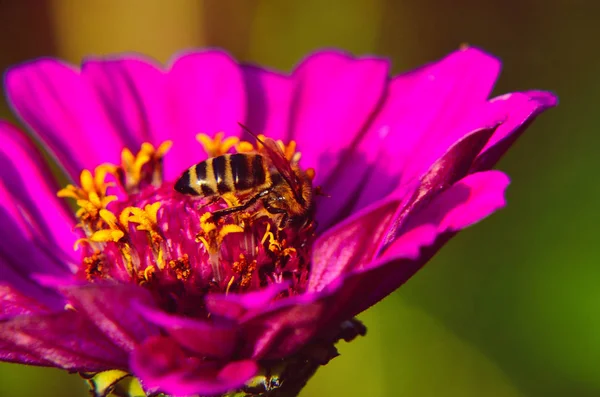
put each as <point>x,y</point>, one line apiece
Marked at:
<point>162,366</point>
<point>65,339</point>
<point>269,101</point>
<point>351,243</point>
<point>113,309</point>
<point>334,97</point>
<point>236,306</point>
<point>204,338</point>
<point>519,110</point>
<point>28,195</point>
<point>60,107</point>
<point>466,202</point>
<point>205,94</point>
<point>283,328</point>
<point>132,91</point>
<point>14,303</point>
<point>445,171</point>
<point>425,110</point>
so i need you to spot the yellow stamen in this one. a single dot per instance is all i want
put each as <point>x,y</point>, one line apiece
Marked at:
<point>205,223</point>
<point>244,147</point>
<point>216,146</point>
<point>228,229</point>
<point>147,221</point>
<point>109,218</point>
<point>229,284</point>
<point>274,245</point>
<point>91,196</point>
<point>132,166</point>
<point>145,218</point>
<point>267,233</point>
<point>106,235</point>
<point>148,272</point>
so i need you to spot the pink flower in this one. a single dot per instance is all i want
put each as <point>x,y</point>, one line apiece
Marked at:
<point>158,288</point>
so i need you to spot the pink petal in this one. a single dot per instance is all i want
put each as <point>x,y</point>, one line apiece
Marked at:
<point>131,89</point>
<point>65,339</point>
<point>334,97</point>
<point>357,240</point>
<point>205,94</point>
<point>113,309</point>
<point>60,107</point>
<point>460,85</point>
<point>519,110</point>
<point>162,366</point>
<point>269,101</point>
<point>14,303</point>
<point>350,243</point>
<point>282,328</point>
<point>18,278</point>
<point>236,306</point>
<point>425,110</point>
<point>28,196</point>
<point>205,339</point>
<point>466,202</point>
<point>448,169</point>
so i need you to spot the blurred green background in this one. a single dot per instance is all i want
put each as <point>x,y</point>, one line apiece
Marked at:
<point>510,307</point>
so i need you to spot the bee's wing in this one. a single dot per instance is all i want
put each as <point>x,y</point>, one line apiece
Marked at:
<point>281,163</point>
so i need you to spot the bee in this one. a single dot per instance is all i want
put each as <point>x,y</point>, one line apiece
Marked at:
<point>265,175</point>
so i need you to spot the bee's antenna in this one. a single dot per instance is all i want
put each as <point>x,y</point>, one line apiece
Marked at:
<point>251,133</point>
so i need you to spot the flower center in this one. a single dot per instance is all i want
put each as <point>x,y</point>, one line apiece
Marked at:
<point>139,229</point>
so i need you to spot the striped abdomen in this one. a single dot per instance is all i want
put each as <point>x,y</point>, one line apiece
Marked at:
<point>223,174</point>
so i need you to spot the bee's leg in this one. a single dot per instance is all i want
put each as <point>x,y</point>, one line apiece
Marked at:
<point>225,211</point>
<point>275,211</point>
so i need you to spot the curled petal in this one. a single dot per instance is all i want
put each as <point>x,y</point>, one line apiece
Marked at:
<point>162,366</point>
<point>466,202</point>
<point>448,169</point>
<point>421,110</point>
<point>519,110</point>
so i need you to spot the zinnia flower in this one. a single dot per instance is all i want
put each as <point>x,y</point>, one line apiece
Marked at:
<point>144,281</point>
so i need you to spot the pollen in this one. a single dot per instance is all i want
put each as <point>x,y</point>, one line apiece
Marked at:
<point>245,270</point>
<point>180,267</point>
<point>216,146</point>
<point>95,267</point>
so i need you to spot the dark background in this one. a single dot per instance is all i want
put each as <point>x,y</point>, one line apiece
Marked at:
<point>511,307</point>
